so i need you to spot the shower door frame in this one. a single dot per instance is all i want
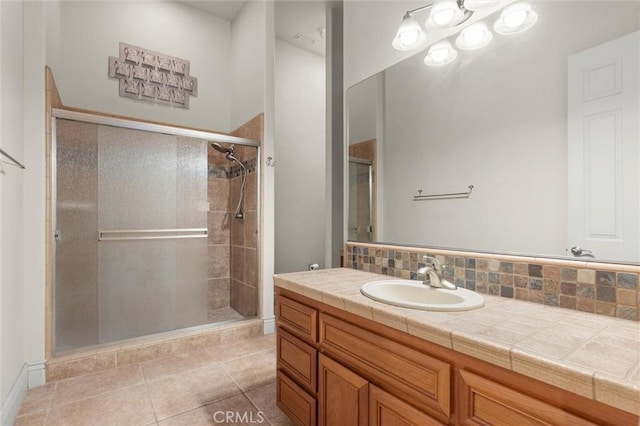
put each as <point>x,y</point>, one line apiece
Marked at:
<point>145,126</point>
<point>370,227</point>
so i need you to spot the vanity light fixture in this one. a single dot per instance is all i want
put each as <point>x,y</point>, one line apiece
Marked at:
<point>473,37</point>
<point>515,18</point>
<point>440,53</point>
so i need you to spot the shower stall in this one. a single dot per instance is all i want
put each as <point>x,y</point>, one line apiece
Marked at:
<point>156,229</point>
<point>361,200</point>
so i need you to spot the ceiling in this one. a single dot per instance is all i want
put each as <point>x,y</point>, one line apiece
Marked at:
<point>225,9</point>
<point>300,22</point>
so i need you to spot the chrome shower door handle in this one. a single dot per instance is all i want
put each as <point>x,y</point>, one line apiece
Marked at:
<point>578,252</point>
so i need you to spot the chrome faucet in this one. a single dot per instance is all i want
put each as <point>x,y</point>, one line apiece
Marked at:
<point>434,274</point>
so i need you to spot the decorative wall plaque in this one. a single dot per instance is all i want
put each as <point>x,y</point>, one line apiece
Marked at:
<point>153,77</point>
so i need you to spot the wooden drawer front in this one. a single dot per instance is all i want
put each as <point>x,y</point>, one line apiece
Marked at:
<point>298,360</point>
<point>482,401</point>
<point>297,318</point>
<point>387,410</point>
<point>344,396</point>
<point>421,380</point>
<point>295,402</point>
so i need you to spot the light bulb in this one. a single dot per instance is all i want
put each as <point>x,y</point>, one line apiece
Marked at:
<point>410,35</point>
<point>443,17</point>
<point>474,36</point>
<point>515,18</point>
<point>409,38</point>
<point>478,4</point>
<point>444,14</point>
<point>440,54</point>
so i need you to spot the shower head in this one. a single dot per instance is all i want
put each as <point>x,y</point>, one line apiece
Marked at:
<point>226,151</point>
<point>229,153</point>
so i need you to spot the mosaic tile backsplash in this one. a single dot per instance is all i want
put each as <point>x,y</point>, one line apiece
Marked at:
<point>567,284</point>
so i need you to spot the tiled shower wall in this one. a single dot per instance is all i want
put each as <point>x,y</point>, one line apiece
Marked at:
<point>600,288</point>
<point>232,266</point>
<point>244,233</point>
<point>232,242</point>
<point>218,257</point>
<point>243,241</point>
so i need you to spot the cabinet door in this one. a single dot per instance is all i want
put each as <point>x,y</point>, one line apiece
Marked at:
<point>343,398</point>
<point>294,401</point>
<point>482,402</point>
<point>387,410</point>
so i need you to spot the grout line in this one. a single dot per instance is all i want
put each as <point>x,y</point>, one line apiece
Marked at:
<point>269,421</point>
<point>153,407</point>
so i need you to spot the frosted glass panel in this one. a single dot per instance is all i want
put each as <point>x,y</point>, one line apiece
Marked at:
<point>76,274</point>
<point>116,179</point>
<point>137,179</point>
<point>151,181</point>
<point>191,283</point>
<point>137,288</point>
<point>191,183</point>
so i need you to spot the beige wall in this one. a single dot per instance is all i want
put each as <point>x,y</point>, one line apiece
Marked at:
<point>12,326</point>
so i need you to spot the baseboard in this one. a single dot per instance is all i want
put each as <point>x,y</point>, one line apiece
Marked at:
<point>36,374</point>
<point>11,406</point>
<point>269,325</point>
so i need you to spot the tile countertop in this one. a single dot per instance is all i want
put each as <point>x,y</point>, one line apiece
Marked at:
<point>591,355</point>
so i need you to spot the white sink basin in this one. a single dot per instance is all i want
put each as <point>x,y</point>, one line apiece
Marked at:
<point>414,294</point>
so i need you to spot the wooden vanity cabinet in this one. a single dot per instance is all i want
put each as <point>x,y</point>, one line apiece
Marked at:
<point>330,370</point>
<point>338,369</point>
<point>483,401</point>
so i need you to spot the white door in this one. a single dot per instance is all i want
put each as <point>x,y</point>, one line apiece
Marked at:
<point>603,153</point>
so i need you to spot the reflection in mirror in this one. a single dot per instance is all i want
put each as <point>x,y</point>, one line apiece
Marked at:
<point>544,124</point>
<point>361,201</point>
<point>363,146</point>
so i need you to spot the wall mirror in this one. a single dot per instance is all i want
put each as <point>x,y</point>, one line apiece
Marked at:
<point>543,124</point>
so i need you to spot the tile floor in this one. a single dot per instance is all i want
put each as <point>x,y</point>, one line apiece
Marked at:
<point>227,384</point>
<point>223,314</point>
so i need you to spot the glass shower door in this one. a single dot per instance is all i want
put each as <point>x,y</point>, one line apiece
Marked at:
<point>360,200</point>
<point>140,204</point>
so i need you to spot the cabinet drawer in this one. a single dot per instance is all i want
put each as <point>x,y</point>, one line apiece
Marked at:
<point>482,401</point>
<point>422,381</point>
<point>298,360</point>
<point>294,401</point>
<point>297,318</point>
<point>386,410</point>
